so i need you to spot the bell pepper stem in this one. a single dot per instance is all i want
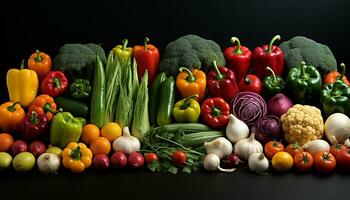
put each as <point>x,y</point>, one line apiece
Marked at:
<point>247,80</point>
<point>235,40</point>
<point>335,91</point>
<point>57,83</point>
<point>47,108</point>
<point>191,78</point>
<point>146,41</point>
<point>273,74</point>
<point>216,111</point>
<point>22,64</point>
<point>76,153</point>
<point>277,37</point>
<point>34,120</point>
<point>38,58</point>
<point>187,101</point>
<point>125,43</point>
<point>303,74</point>
<point>219,76</point>
<point>343,70</point>
<point>12,108</point>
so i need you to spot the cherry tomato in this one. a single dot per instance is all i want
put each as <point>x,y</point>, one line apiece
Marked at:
<point>250,83</point>
<point>343,160</point>
<point>294,148</point>
<point>179,157</point>
<point>150,157</point>
<point>303,161</point>
<point>324,162</point>
<point>273,147</point>
<point>335,148</point>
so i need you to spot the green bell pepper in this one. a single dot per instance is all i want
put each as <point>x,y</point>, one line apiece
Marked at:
<point>80,89</point>
<point>272,84</point>
<point>65,129</point>
<point>335,97</point>
<point>304,83</point>
<point>187,110</point>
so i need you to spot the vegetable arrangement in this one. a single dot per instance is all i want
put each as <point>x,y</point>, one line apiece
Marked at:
<point>194,107</point>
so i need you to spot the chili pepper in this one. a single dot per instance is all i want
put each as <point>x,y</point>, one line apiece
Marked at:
<point>22,85</point>
<point>250,83</point>
<point>187,110</point>
<point>77,157</point>
<point>222,83</point>
<point>238,58</point>
<point>272,84</point>
<point>191,82</point>
<point>54,84</point>
<point>11,115</point>
<point>41,63</point>
<point>65,129</point>
<point>80,89</point>
<point>34,126</point>
<point>333,76</point>
<point>335,97</point>
<point>123,52</point>
<point>304,82</point>
<point>268,55</point>
<point>44,104</point>
<point>147,57</point>
<point>215,112</point>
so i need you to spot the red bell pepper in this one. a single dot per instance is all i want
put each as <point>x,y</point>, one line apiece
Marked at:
<point>147,57</point>
<point>250,83</point>
<point>215,112</point>
<point>54,84</point>
<point>268,55</point>
<point>333,76</point>
<point>222,83</point>
<point>238,58</point>
<point>34,126</point>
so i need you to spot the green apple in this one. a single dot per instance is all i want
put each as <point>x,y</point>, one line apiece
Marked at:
<point>54,150</point>
<point>5,161</point>
<point>23,162</point>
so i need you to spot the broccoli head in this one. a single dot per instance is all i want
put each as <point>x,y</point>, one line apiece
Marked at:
<point>190,51</point>
<point>78,60</point>
<point>301,48</point>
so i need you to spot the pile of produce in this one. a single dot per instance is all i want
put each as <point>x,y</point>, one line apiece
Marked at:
<point>194,107</point>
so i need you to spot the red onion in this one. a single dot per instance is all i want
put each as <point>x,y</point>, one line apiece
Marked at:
<point>279,104</point>
<point>248,107</point>
<point>267,129</point>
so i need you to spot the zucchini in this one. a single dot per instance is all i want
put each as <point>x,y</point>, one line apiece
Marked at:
<point>76,108</point>
<point>186,127</point>
<point>154,97</point>
<point>198,139</point>
<point>167,101</point>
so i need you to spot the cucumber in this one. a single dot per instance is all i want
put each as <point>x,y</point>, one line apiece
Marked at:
<point>76,108</point>
<point>154,97</point>
<point>198,139</point>
<point>167,101</point>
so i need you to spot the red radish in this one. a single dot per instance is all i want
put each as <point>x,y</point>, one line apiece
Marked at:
<point>119,160</point>
<point>100,161</point>
<point>18,146</point>
<point>136,160</point>
<point>37,148</point>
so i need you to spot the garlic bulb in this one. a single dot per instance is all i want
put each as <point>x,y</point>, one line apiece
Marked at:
<point>236,129</point>
<point>257,162</point>
<point>126,143</point>
<point>337,128</point>
<point>220,146</point>
<point>211,162</point>
<point>347,142</point>
<point>315,146</point>
<point>245,147</point>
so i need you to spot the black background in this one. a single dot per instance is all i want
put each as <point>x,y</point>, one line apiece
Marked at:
<point>47,25</point>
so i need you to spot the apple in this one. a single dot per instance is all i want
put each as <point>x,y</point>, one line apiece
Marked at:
<point>100,161</point>
<point>18,146</point>
<point>119,160</point>
<point>5,161</point>
<point>37,148</point>
<point>54,150</point>
<point>23,162</point>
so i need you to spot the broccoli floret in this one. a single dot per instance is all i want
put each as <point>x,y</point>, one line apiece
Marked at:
<point>301,48</point>
<point>78,60</point>
<point>190,51</point>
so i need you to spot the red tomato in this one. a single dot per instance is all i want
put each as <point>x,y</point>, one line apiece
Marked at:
<point>324,162</point>
<point>250,83</point>
<point>179,157</point>
<point>343,159</point>
<point>294,148</point>
<point>303,161</point>
<point>273,147</point>
<point>150,157</point>
<point>335,148</point>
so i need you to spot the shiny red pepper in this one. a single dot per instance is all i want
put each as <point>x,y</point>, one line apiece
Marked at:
<point>250,83</point>
<point>215,112</point>
<point>54,84</point>
<point>147,57</point>
<point>238,58</point>
<point>222,83</point>
<point>34,126</point>
<point>268,55</point>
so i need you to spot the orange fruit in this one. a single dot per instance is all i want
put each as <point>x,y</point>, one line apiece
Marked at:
<point>6,140</point>
<point>90,132</point>
<point>111,131</point>
<point>100,145</point>
<point>282,161</point>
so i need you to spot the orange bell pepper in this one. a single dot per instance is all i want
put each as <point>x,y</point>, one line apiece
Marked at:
<point>43,104</point>
<point>77,157</point>
<point>41,63</point>
<point>191,83</point>
<point>11,115</point>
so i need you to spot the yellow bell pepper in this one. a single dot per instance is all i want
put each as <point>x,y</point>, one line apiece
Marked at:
<point>123,52</point>
<point>22,85</point>
<point>77,157</point>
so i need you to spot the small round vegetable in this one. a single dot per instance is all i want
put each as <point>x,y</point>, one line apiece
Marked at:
<point>136,160</point>
<point>294,148</point>
<point>231,161</point>
<point>324,162</point>
<point>278,105</point>
<point>250,83</point>
<point>303,161</point>
<point>343,160</point>
<point>150,157</point>
<point>335,148</point>
<point>179,157</point>
<point>282,161</point>
<point>48,163</point>
<point>119,160</point>
<point>273,147</point>
<point>266,129</point>
<point>89,133</point>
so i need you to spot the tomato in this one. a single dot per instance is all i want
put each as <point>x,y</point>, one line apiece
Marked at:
<point>294,148</point>
<point>250,83</point>
<point>150,157</point>
<point>303,161</point>
<point>179,157</point>
<point>324,162</point>
<point>282,161</point>
<point>343,160</point>
<point>335,148</point>
<point>273,147</point>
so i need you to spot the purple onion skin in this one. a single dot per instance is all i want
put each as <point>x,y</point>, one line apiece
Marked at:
<point>267,129</point>
<point>231,161</point>
<point>278,105</point>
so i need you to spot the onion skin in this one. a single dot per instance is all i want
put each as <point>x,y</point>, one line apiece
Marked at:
<point>267,129</point>
<point>278,105</point>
